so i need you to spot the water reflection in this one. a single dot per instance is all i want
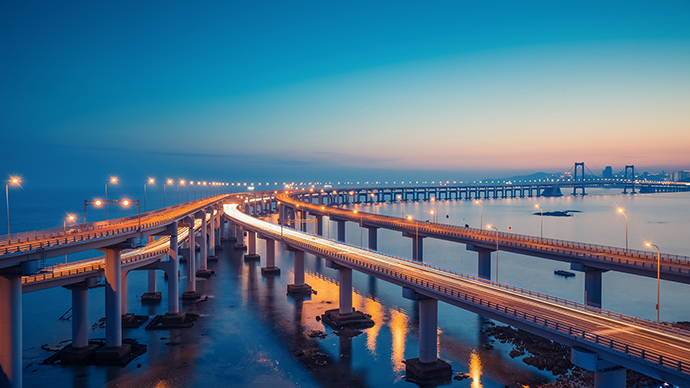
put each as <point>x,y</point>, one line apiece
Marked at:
<point>398,324</point>
<point>475,370</point>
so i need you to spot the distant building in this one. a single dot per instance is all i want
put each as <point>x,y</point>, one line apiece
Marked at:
<point>681,176</point>
<point>607,173</point>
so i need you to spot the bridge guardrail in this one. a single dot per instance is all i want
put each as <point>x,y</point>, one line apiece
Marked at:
<point>632,350</point>
<point>60,237</point>
<point>468,232</point>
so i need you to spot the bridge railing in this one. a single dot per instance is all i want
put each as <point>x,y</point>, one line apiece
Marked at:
<point>550,324</point>
<point>57,236</point>
<point>470,233</point>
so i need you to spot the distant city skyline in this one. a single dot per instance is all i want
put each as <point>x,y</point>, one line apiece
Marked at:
<point>310,90</point>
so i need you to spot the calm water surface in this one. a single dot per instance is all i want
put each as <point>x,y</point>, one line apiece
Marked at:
<point>251,333</point>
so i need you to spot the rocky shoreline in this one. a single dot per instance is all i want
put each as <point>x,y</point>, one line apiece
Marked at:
<point>548,355</point>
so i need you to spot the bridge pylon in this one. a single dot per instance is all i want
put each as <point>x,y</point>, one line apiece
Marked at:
<point>579,166</point>
<point>629,182</point>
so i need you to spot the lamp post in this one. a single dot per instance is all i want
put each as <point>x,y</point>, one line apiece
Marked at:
<point>416,235</point>
<point>128,203</point>
<point>183,183</point>
<point>622,211</point>
<point>151,181</point>
<point>177,194</point>
<point>541,220</point>
<point>111,180</point>
<point>361,238</point>
<point>70,218</point>
<point>658,276</point>
<point>481,212</point>
<point>402,208</point>
<point>12,181</point>
<point>170,181</point>
<point>97,203</point>
<point>433,213</point>
<point>496,229</point>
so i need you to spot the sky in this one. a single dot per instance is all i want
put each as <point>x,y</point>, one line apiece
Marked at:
<point>328,90</point>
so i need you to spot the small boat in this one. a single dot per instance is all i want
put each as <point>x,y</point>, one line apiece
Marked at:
<point>561,272</point>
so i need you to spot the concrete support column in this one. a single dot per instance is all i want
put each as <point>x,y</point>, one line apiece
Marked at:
<point>606,373</point>
<point>191,260</point>
<point>113,298</point>
<point>484,264</point>
<point>212,235</point>
<point>299,268</point>
<point>319,225</point>
<point>80,317</point>
<point>251,246</point>
<point>341,230</point>
<point>203,251</point>
<point>428,323</point>
<point>417,248</point>
<point>11,331</point>
<point>373,242</point>
<point>152,280</point>
<point>173,275</point>
<point>270,268</point>
<point>593,287</point>
<point>303,225</point>
<point>345,290</point>
<point>610,379</point>
<point>123,294</point>
<point>239,233</point>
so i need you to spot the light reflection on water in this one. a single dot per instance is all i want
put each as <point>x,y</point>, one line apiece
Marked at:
<point>475,370</point>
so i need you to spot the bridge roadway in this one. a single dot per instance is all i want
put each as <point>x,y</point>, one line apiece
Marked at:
<point>654,349</point>
<point>78,271</point>
<point>590,256</point>
<point>43,244</point>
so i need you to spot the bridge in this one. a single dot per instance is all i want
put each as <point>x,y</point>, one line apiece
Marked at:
<point>128,244</point>
<point>154,240</point>
<point>603,341</point>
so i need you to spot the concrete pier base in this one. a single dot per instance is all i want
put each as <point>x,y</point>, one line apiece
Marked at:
<point>191,295</point>
<point>297,290</point>
<point>437,370</point>
<point>113,355</point>
<point>151,297</point>
<point>270,271</point>
<point>72,355</point>
<point>204,273</point>
<point>354,319</point>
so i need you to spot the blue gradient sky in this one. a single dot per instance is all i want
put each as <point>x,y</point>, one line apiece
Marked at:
<point>282,90</point>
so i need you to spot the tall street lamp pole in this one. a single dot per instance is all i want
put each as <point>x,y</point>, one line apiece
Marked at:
<point>112,180</point>
<point>12,181</point>
<point>481,213</point>
<point>496,229</point>
<point>658,276</point>
<point>622,211</point>
<point>170,181</point>
<point>541,222</point>
<point>151,181</point>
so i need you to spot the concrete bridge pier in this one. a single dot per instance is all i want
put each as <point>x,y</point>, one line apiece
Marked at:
<point>417,245</point>
<point>319,225</point>
<point>203,271</point>
<point>373,242</point>
<point>191,292</point>
<point>270,269</point>
<point>341,229</point>
<point>151,295</point>
<point>298,288</point>
<point>173,274</point>
<point>593,284</point>
<point>345,315</point>
<point>80,348</point>
<point>428,366</point>
<point>212,236</point>
<point>251,247</point>
<point>483,260</point>
<point>606,373</point>
<point>10,331</point>
<point>239,234</point>
<point>114,349</point>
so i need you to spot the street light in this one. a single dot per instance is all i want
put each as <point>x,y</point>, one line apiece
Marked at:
<point>128,203</point>
<point>481,214</point>
<point>111,180</point>
<point>402,207</point>
<point>541,218</point>
<point>170,182</point>
<point>70,218</point>
<point>182,182</point>
<point>658,275</point>
<point>622,211</point>
<point>361,238</point>
<point>416,237</point>
<point>433,213</point>
<point>496,229</point>
<point>97,203</point>
<point>15,182</point>
<point>151,181</point>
